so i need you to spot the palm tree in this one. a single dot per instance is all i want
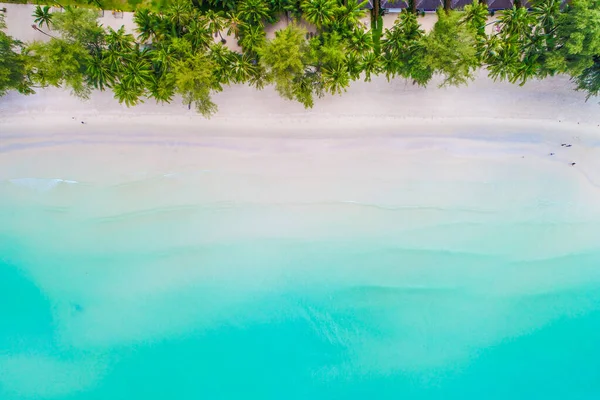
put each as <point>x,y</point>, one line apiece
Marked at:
<point>589,79</point>
<point>259,77</point>
<point>120,46</point>
<point>97,3</point>
<point>252,38</point>
<point>514,52</point>
<point>354,65</point>
<point>216,23</point>
<point>147,24</point>
<point>371,65</point>
<point>516,22</point>
<point>137,72</point>
<point>475,16</point>
<point>128,94</point>
<point>291,8</point>
<point>119,41</point>
<point>198,34</point>
<point>177,16</point>
<point>403,36</point>
<point>162,58</point>
<point>223,4</point>
<point>335,78</point>
<point>100,73</point>
<point>35,27</point>
<point>360,41</point>
<point>235,24</point>
<point>502,57</point>
<point>352,13</point>
<point>242,68</point>
<point>402,48</point>
<point>134,79</point>
<point>412,6</point>
<point>547,13</point>
<point>254,12</point>
<point>320,13</point>
<point>161,89</point>
<point>223,59</point>
<point>390,65</point>
<point>42,16</point>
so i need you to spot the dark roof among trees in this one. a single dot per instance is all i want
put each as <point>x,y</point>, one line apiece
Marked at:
<point>432,5</point>
<point>387,4</point>
<point>500,4</point>
<point>429,5</point>
<point>460,4</point>
<point>368,5</point>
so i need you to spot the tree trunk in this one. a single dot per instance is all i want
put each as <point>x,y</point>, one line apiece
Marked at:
<point>41,31</point>
<point>412,5</point>
<point>447,5</point>
<point>376,9</point>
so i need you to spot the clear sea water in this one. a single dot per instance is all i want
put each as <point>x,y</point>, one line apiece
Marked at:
<point>152,289</point>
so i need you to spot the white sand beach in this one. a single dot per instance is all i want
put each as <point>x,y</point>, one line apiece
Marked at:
<point>549,110</point>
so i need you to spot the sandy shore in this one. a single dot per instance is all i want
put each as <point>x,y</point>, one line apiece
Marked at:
<point>542,114</point>
<point>409,124</point>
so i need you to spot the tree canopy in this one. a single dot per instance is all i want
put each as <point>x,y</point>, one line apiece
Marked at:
<point>450,49</point>
<point>180,51</point>
<point>577,51</point>
<point>13,71</point>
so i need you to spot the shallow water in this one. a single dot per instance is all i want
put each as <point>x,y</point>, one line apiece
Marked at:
<point>322,274</point>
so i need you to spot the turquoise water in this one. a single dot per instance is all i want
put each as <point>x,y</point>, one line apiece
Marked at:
<point>126,291</point>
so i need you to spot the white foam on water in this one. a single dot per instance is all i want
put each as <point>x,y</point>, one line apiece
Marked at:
<point>40,184</point>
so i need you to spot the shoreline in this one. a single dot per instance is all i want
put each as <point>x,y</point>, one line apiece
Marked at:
<point>410,143</point>
<point>390,129</point>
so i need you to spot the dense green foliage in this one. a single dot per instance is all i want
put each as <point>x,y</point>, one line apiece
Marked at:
<point>12,64</point>
<point>182,51</point>
<point>450,49</point>
<point>577,45</point>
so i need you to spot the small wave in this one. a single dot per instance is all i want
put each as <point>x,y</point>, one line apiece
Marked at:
<point>219,205</point>
<point>414,207</point>
<point>180,174</point>
<point>40,184</point>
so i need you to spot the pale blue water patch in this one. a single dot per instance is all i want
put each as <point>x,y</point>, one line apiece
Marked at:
<point>123,293</point>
